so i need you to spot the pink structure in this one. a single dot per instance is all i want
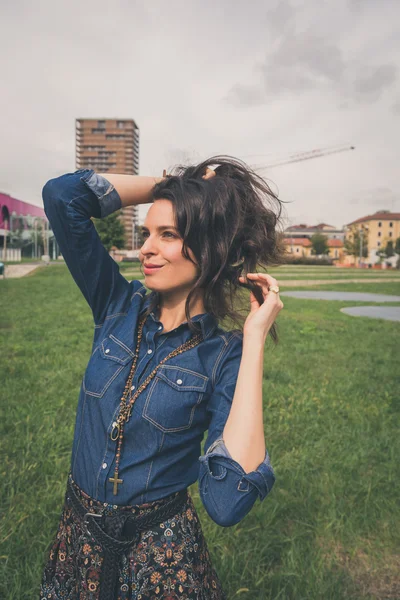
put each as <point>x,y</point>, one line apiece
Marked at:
<point>12,209</point>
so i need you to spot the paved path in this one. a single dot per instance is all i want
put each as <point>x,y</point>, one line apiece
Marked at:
<point>307,282</point>
<point>389,313</point>
<point>350,296</point>
<point>12,271</point>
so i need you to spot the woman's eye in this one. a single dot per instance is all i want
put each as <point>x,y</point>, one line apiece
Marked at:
<point>145,233</point>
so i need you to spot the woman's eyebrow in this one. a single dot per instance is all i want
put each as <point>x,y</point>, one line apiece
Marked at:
<point>161,227</point>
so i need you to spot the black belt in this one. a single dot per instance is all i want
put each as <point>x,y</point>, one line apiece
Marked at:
<point>117,533</point>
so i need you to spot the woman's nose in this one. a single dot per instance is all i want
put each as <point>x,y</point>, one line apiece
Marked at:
<point>148,246</point>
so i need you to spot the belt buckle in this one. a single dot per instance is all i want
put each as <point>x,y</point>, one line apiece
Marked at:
<point>89,514</point>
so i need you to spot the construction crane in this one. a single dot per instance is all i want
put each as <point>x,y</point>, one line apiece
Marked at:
<point>305,156</point>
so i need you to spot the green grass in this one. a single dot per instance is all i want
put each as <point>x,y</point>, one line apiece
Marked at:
<point>328,530</point>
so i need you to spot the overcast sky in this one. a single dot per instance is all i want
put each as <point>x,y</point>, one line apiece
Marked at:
<point>259,80</point>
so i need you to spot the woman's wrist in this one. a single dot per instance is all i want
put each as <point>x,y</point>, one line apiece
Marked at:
<point>132,189</point>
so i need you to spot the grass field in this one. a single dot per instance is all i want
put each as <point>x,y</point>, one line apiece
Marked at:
<point>329,530</point>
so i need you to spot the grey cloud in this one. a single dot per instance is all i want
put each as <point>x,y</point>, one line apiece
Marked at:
<point>371,85</point>
<point>299,63</point>
<point>308,62</point>
<point>280,16</point>
<point>316,56</point>
<point>246,95</point>
<point>381,198</point>
<point>303,61</point>
<point>363,5</point>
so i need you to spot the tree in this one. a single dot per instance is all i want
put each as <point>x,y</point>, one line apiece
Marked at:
<point>319,244</point>
<point>389,250</point>
<point>16,238</point>
<point>385,252</point>
<point>111,231</point>
<point>397,251</point>
<point>352,244</point>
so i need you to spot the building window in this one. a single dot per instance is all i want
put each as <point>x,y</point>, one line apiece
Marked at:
<point>379,233</point>
<point>390,233</point>
<point>380,224</point>
<point>120,124</point>
<point>390,224</point>
<point>297,249</point>
<point>379,244</point>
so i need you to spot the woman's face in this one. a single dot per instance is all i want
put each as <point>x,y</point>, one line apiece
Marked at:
<point>163,246</point>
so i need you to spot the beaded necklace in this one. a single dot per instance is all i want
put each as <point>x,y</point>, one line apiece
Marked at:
<point>125,408</point>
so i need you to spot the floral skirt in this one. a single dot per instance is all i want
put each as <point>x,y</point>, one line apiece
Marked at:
<point>170,560</point>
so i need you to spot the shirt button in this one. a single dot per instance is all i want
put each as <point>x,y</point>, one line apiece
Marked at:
<point>179,381</point>
<point>108,350</point>
<point>104,465</point>
<point>132,387</point>
<point>149,351</point>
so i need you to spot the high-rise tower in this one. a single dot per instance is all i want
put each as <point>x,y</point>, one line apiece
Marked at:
<point>110,145</point>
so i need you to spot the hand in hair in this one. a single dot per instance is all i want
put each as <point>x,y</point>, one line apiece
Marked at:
<point>209,173</point>
<point>262,317</point>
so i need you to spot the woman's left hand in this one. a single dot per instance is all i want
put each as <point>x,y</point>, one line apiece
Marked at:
<point>261,318</point>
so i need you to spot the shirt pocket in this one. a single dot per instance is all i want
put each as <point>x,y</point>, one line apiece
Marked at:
<point>105,364</point>
<point>173,398</point>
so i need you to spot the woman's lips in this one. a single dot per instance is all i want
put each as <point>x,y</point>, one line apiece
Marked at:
<point>150,270</point>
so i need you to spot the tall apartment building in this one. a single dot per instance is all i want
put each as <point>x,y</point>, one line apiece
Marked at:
<point>111,145</point>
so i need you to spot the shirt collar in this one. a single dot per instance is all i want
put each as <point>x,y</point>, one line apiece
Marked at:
<point>208,323</point>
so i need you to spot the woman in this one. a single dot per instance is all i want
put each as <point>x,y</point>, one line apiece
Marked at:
<point>161,373</point>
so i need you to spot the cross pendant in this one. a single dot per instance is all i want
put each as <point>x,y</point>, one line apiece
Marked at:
<point>116,481</point>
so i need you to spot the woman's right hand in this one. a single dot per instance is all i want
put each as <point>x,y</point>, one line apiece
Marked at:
<point>209,173</point>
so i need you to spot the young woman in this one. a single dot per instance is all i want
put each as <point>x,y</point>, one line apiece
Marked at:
<point>162,372</point>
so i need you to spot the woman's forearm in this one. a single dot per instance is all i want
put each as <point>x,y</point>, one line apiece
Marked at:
<point>243,434</point>
<point>132,189</point>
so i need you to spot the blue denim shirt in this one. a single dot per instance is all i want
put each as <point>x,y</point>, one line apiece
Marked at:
<point>191,393</point>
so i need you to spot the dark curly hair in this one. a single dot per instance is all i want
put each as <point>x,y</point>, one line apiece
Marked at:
<point>229,223</point>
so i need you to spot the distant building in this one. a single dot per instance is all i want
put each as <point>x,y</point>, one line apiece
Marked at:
<point>379,228</point>
<point>111,146</point>
<point>298,239</point>
<point>303,246</point>
<point>17,215</point>
<point>306,231</point>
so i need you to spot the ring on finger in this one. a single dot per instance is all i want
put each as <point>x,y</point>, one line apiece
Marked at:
<point>274,288</point>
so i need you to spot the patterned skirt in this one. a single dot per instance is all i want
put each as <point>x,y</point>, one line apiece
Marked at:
<point>170,560</point>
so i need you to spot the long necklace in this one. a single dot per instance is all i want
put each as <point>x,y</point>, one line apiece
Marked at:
<point>125,408</point>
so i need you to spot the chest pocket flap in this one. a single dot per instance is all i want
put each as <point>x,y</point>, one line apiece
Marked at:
<point>183,379</point>
<point>113,349</point>
<point>105,364</point>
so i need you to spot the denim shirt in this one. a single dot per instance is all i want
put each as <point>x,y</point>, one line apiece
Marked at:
<point>191,393</point>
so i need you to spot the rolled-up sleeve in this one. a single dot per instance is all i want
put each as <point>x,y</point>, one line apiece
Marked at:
<point>227,492</point>
<point>69,203</point>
